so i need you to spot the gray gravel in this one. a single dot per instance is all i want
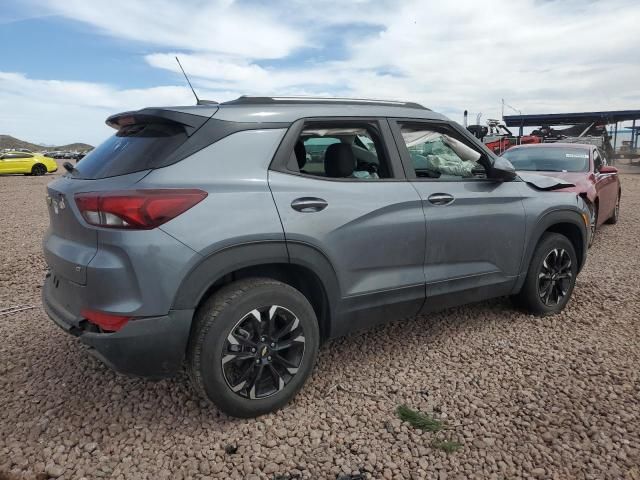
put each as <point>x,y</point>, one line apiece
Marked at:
<point>527,397</point>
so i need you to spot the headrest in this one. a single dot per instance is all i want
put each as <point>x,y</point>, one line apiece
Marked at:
<point>339,160</point>
<point>301,153</point>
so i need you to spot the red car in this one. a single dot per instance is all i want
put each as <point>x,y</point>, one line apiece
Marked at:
<point>583,165</point>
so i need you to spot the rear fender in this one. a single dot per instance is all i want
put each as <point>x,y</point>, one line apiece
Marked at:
<point>212,269</point>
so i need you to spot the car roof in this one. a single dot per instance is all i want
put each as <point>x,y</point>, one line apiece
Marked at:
<point>289,109</point>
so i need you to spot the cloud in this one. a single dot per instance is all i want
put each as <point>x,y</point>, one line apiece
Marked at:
<point>56,112</point>
<point>202,25</point>
<point>540,56</point>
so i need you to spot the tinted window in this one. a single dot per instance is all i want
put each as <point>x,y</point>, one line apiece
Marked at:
<point>134,148</point>
<point>549,159</point>
<point>17,155</point>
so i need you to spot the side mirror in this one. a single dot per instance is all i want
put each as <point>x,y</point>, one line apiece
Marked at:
<point>502,170</point>
<point>608,169</point>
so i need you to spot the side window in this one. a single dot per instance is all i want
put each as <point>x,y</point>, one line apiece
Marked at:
<point>350,151</point>
<point>16,155</point>
<point>436,154</point>
<point>597,161</point>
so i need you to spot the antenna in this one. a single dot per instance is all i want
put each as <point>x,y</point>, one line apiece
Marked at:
<point>187,78</point>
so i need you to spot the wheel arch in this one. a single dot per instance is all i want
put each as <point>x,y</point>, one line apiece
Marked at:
<point>301,266</point>
<point>39,164</point>
<point>568,223</point>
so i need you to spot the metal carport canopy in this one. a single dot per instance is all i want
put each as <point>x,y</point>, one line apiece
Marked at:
<point>570,118</point>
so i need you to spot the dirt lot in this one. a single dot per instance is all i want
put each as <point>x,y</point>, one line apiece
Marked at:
<point>526,397</point>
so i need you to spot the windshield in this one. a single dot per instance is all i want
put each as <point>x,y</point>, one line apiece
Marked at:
<point>549,159</point>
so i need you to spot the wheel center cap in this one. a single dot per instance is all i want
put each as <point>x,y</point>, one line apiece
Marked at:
<point>264,351</point>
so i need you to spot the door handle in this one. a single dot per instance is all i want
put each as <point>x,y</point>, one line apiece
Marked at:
<point>309,204</point>
<point>440,199</point>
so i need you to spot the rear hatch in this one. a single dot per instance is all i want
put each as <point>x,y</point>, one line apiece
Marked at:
<point>144,140</point>
<point>70,243</point>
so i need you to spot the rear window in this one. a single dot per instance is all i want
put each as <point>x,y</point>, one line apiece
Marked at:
<point>132,149</point>
<point>549,159</point>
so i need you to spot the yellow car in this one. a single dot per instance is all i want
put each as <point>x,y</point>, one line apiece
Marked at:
<point>26,163</point>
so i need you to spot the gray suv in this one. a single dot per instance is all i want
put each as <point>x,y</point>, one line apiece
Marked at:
<point>236,237</point>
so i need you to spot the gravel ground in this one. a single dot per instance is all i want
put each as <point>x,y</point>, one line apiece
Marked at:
<point>526,397</point>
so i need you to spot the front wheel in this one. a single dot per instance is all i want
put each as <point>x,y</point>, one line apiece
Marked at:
<point>551,276</point>
<point>593,223</point>
<point>253,345</point>
<point>613,219</point>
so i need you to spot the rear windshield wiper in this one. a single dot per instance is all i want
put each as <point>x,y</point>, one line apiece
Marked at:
<point>70,168</point>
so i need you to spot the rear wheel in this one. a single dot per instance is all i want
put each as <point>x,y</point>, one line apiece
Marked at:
<point>38,169</point>
<point>253,345</point>
<point>613,219</point>
<point>551,276</point>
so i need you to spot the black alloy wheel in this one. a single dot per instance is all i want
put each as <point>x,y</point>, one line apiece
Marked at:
<point>38,170</point>
<point>551,277</point>
<point>555,277</point>
<point>253,344</point>
<point>263,352</point>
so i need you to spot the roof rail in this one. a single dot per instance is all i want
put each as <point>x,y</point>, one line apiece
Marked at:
<point>249,100</point>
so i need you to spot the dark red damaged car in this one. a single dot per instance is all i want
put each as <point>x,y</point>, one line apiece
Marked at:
<point>583,165</point>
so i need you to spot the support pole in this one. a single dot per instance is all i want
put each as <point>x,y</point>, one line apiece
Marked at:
<point>615,138</point>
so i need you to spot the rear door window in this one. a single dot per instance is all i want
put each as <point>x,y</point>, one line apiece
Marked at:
<point>132,149</point>
<point>317,152</point>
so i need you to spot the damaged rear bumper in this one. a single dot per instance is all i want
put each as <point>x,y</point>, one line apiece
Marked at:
<point>147,347</point>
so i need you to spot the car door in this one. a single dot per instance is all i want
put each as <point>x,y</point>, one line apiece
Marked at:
<point>606,187</point>
<point>371,230</point>
<point>14,162</point>
<point>475,225</point>
<point>4,163</point>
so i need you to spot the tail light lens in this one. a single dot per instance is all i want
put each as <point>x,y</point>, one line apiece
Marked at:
<point>106,321</point>
<point>136,209</point>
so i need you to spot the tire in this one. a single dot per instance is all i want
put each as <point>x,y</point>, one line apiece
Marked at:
<point>38,169</point>
<point>534,297</point>
<point>613,219</point>
<point>227,349</point>
<point>593,220</point>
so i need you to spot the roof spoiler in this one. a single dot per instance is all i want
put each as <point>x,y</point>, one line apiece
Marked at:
<point>190,122</point>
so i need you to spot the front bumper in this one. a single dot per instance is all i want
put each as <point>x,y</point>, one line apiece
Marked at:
<point>147,347</point>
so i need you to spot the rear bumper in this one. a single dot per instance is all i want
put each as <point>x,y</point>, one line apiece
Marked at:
<point>147,347</point>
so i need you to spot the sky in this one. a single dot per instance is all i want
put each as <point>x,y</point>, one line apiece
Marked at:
<point>65,65</point>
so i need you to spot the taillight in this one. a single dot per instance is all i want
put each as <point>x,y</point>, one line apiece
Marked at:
<point>136,209</point>
<point>106,321</point>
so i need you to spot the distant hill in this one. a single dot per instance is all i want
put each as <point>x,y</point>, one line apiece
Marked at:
<point>7,141</point>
